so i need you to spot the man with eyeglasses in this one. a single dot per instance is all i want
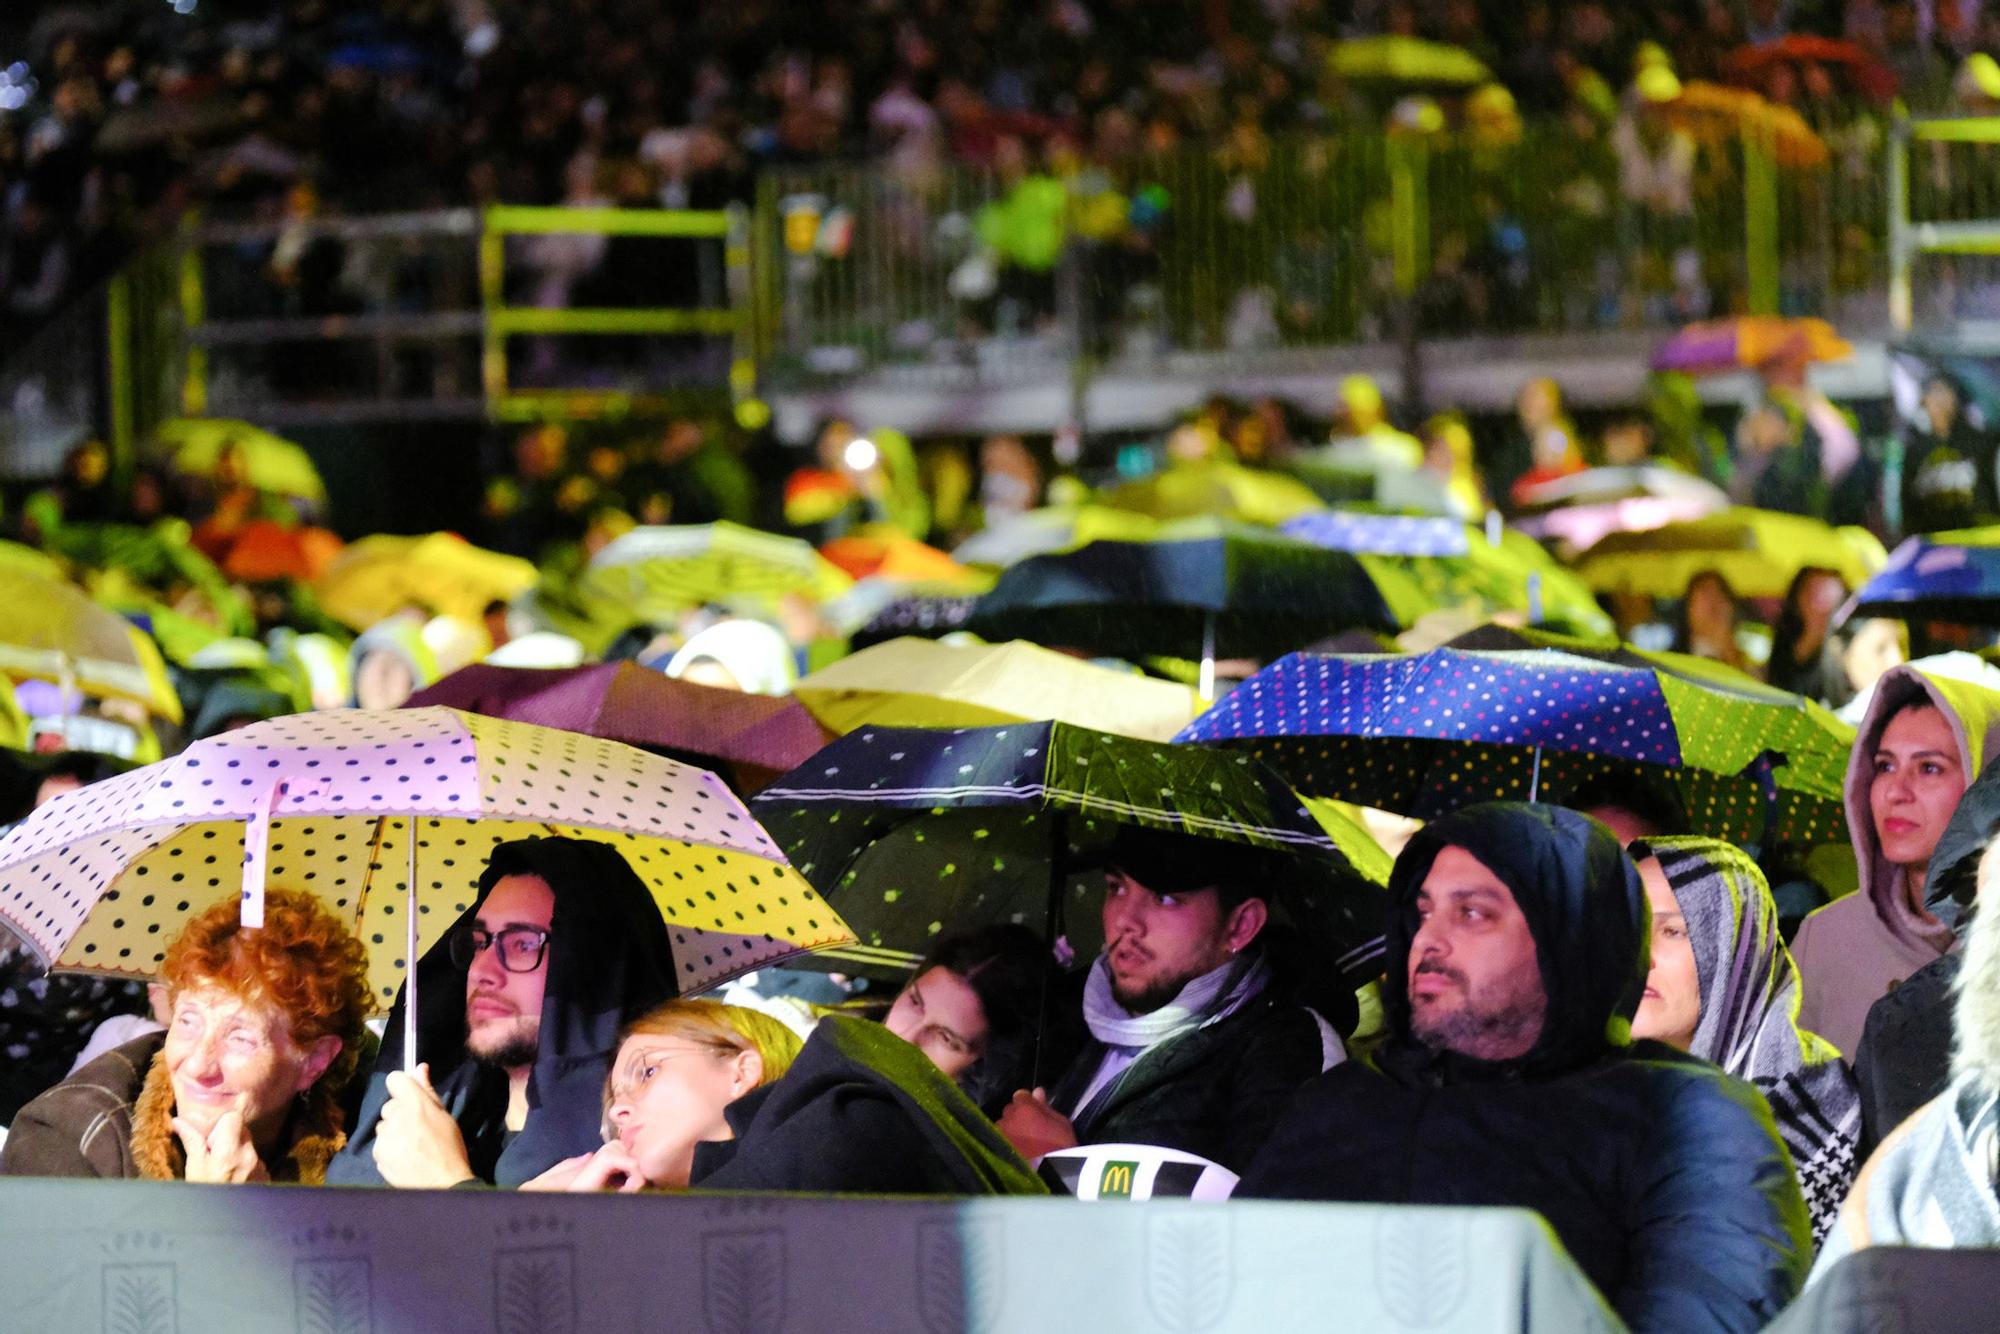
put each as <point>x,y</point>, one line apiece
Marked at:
<point>518,1013</point>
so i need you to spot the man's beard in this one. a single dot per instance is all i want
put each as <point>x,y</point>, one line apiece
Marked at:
<point>1491,1025</point>
<point>510,1050</point>
<point>1150,996</point>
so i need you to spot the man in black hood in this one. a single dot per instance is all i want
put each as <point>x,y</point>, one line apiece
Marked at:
<point>519,1009</point>
<point>1518,952</point>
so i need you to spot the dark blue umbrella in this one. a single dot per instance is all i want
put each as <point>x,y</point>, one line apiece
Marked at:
<point>1229,591</point>
<point>1939,577</point>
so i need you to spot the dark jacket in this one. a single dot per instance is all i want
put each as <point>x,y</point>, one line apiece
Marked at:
<point>114,1118</point>
<point>609,962</point>
<point>1663,1177</point>
<point>861,1111</point>
<point>1216,1092</point>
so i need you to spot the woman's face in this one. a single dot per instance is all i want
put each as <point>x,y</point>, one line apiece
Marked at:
<point>225,1053</point>
<point>1819,597</point>
<point>1711,612</point>
<point>1919,778</point>
<point>1875,648</point>
<point>940,1015</point>
<point>1671,1007</point>
<point>668,1094</point>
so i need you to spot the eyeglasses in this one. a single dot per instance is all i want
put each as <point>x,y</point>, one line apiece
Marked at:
<point>639,1071</point>
<point>522,948</point>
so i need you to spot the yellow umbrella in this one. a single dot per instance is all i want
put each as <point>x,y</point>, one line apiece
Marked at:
<point>28,560</point>
<point>50,630</point>
<point>268,462</point>
<point>1759,552</point>
<point>923,683</point>
<point>661,570</point>
<point>1408,61</point>
<point>440,572</point>
<point>1220,489</point>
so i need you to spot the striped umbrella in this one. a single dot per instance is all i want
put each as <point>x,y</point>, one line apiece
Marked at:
<point>667,569</point>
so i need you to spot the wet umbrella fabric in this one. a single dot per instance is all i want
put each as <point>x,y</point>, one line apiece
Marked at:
<point>1951,576</point>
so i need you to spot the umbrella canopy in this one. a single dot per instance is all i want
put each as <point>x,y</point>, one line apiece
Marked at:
<point>1951,576</point>
<point>665,570</point>
<point>1585,507</point>
<point>1716,347</point>
<point>1407,62</point>
<point>50,630</point>
<point>1054,528</point>
<point>1214,488</point>
<point>896,558</point>
<point>622,701</point>
<point>269,462</point>
<point>1239,591</point>
<point>1758,551</point>
<point>925,614</point>
<point>99,880</point>
<point>911,829</point>
<point>1424,564</point>
<point>263,550</point>
<point>440,572</point>
<point>1853,64</point>
<point>1716,114</point>
<point>28,560</point>
<point>1422,734</point>
<point>913,682</point>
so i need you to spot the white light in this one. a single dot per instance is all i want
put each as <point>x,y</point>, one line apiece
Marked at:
<point>13,99</point>
<point>860,454</point>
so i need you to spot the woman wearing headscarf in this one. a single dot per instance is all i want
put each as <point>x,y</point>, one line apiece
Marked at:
<point>1924,739</point>
<point>1722,987</point>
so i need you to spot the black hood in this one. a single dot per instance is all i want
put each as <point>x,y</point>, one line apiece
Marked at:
<point>609,963</point>
<point>1585,906</point>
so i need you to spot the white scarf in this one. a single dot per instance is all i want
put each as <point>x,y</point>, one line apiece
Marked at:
<point>1203,1001</point>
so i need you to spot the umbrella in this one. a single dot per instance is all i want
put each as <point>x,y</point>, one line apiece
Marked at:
<point>1951,576</point>
<point>1584,507</point>
<point>1422,734</point>
<point>1758,551</point>
<point>622,701</point>
<point>263,550</point>
<point>667,569</point>
<point>1862,71</point>
<point>896,558</point>
<point>1051,529</point>
<point>919,683</point>
<point>905,829</point>
<point>1218,489</point>
<point>99,880</point>
<point>1721,346</point>
<point>49,630</point>
<point>1448,564</point>
<point>442,573</point>
<point>1408,62</point>
<point>1218,591</point>
<point>28,560</point>
<point>928,615</point>
<point>270,462</point>
<point>1715,113</point>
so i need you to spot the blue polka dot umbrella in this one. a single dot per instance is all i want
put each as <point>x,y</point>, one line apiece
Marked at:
<point>1422,734</point>
<point>914,832</point>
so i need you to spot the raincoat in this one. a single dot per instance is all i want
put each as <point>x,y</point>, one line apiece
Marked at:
<point>1855,950</point>
<point>861,1110</point>
<point>1749,1015</point>
<point>1663,1177</point>
<point>609,962</point>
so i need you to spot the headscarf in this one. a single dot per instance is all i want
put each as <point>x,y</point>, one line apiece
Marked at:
<point>1750,1010</point>
<point>754,653</point>
<point>399,636</point>
<point>1585,907</point>
<point>609,963</point>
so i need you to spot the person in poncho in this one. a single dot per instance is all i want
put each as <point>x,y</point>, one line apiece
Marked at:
<point>519,1011</point>
<point>1723,988</point>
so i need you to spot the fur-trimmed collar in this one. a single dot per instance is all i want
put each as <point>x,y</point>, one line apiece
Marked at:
<point>315,1133</point>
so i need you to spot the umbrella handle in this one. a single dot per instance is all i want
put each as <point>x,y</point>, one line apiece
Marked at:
<point>410,959</point>
<point>1535,777</point>
<point>1052,925</point>
<point>1208,658</point>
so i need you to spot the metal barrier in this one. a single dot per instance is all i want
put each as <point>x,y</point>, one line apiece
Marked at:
<point>1944,204</point>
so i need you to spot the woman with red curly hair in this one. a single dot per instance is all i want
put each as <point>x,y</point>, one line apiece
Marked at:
<point>263,1031</point>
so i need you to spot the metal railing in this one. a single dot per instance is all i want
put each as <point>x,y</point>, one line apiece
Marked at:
<point>1944,213</point>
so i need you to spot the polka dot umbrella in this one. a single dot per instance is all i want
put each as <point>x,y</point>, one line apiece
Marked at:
<point>100,880</point>
<point>1422,734</point>
<point>913,831</point>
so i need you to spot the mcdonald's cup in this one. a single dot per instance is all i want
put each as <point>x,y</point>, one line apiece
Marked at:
<point>1113,1172</point>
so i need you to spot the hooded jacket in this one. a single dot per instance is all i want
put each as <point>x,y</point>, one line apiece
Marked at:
<point>1904,1059</point>
<point>609,962</point>
<point>862,1111</point>
<point>1749,1015</point>
<point>1663,1177</point>
<point>1935,1181</point>
<point>1855,950</point>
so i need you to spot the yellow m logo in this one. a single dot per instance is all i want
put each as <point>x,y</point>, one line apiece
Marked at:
<point>1116,1181</point>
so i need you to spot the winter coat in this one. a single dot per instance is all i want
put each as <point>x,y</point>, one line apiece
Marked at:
<point>1664,1178</point>
<point>1215,1092</point>
<point>1853,951</point>
<point>861,1111</point>
<point>609,962</point>
<point>113,1118</point>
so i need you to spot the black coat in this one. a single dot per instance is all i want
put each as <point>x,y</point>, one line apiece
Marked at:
<point>861,1111</point>
<point>1663,1177</point>
<point>1216,1092</point>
